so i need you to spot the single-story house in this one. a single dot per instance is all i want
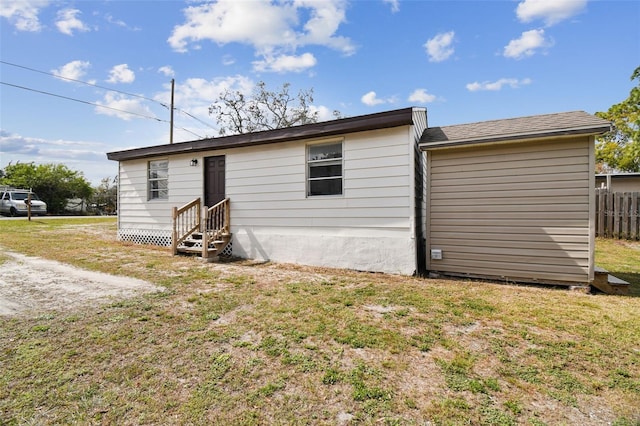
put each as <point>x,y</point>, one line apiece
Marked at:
<point>618,182</point>
<point>509,199</point>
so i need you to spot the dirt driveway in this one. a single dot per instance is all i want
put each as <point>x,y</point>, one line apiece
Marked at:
<point>36,285</point>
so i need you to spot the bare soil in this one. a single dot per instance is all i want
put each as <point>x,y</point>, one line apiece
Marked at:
<point>35,285</point>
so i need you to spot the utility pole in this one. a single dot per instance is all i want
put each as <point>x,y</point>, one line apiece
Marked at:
<point>173,84</point>
<point>29,205</point>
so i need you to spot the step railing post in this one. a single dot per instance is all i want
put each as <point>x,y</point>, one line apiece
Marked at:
<point>205,233</point>
<point>174,234</point>
<point>227,217</point>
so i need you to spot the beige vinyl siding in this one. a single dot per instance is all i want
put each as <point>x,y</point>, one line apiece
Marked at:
<point>419,186</point>
<point>514,211</point>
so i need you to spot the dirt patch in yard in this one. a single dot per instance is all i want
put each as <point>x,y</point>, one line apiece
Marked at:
<point>32,284</point>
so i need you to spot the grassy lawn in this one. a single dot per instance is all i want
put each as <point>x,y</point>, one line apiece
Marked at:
<point>261,343</point>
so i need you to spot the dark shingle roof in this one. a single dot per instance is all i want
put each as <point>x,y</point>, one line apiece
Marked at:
<point>380,120</point>
<point>521,128</point>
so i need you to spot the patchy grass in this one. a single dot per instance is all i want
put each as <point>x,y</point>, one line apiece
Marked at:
<point>247,343</point>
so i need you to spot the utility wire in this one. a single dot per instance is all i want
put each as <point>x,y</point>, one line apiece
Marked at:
<point>112,90</point>
<point>96,105</point>
<point>83,102</point>
<point>189,131</point>
<point>196,118</point>
<point>83,82</point>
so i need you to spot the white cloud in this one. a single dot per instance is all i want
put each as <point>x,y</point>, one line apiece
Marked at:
<point>527,44</point>
<point>439,47</point>
<point>259,23</point>
<point>121,74</point>
<point>84,156</point>
<point>23,14</point>
<point>273,29</point>
<point>118,105</point>
<point>167,71</point>
<point>195,95</point>
<point>421,96</point>
<point>286,63</point>
<point>550,11</point>
<point>371,99</point>
<point>514,83</point>
<point>395,5</point>
<point>13,143</point>
<point>326,17</point>
<point>73,70</point>
<point>68,21</point>
<point>119,22</point>
<point>324,113</point>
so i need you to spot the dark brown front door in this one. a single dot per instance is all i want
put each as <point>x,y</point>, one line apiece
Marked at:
<point>213,180</point>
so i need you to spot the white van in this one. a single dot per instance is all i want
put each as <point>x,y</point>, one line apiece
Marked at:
<point>14,203</point>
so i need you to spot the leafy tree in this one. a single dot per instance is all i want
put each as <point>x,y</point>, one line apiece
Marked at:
<point>105,196</point>
<point>263,110</point>
<point>620,149</point>
<point>54,183</point>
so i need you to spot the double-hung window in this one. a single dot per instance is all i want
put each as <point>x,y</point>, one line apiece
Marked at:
<point>158,180</point>
<point>324,174</point>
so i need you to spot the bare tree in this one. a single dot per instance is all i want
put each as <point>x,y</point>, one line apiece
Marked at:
<point>263,110</point>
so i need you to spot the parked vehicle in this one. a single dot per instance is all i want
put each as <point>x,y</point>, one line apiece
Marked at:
<point>14,202</point>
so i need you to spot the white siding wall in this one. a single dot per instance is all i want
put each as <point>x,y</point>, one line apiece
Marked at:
<point>517,211</point>
<point>149,221</point>
<point>370,227</point>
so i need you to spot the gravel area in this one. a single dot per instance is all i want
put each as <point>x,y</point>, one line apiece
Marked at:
<point>32,284</point>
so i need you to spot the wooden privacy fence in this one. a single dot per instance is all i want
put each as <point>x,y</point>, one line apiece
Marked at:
<point>618,214</point>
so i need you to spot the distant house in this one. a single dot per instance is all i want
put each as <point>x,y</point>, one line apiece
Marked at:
<point>508,199</point>
<point>619,182</point>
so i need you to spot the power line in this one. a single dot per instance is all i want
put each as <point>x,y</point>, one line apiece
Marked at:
<point>196,118</point>
<point>189,131</point>
<point>83,82</point>
<point>95,104</point>
<point>83,102</point>
<point>104,88</point>
<point>109,89</point>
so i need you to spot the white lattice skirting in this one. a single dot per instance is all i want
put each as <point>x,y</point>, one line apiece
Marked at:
<point>228,250</point>
<point>156,237</point>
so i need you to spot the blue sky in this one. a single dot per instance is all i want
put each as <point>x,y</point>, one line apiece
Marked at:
<point>464,61</point>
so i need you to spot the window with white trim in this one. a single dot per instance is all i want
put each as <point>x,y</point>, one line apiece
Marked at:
<point>158,179</point>
<point>324,169</point>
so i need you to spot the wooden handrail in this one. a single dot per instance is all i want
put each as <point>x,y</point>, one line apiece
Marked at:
<point>217,222</point>
<point>217,218</point>
<point>212,222</point>
<point>185,220</point>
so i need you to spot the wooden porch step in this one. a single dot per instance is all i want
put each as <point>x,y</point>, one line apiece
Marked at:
<point>193,245</point>
<point>196,250</point>
<point>609,284</point>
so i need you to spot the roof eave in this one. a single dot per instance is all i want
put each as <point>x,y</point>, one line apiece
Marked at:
<point>518,137</point>
<point>384,120</point>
